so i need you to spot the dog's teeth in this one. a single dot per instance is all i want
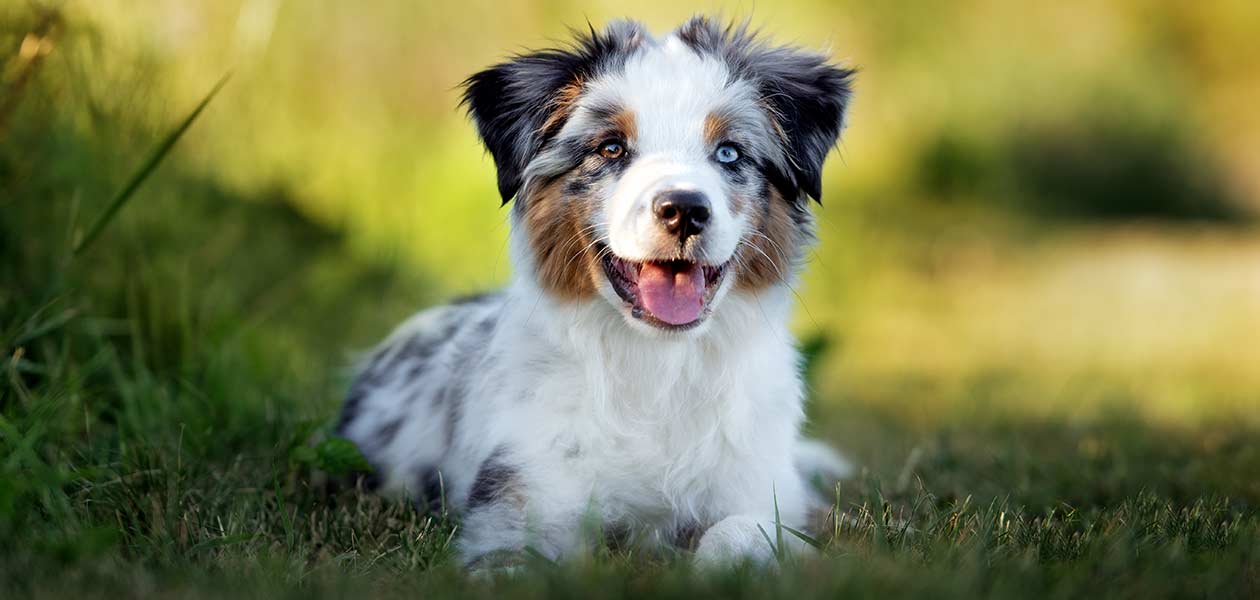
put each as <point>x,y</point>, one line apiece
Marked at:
<point>637,312</point>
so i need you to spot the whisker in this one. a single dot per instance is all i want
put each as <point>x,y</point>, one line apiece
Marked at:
<point>579,252</point>
<point>769,239</point>
<point>782,277</point>
<point>776,268</point>
<point>576,237</point>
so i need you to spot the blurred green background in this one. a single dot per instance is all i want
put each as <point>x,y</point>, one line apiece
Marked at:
<point>1051,199</point>
<point>1042,218</point>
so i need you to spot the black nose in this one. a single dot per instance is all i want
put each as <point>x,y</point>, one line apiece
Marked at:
<point>683,213</point>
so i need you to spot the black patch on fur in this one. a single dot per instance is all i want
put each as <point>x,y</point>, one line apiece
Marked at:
<point>381,368</point>
<point>415,353</point>
<point>385,364</point>
<point>512,101</point>
<point>399,365</point>
<point>451,399</point>
<point>494,478</point>
<point>576,150</point>
<point>805,95</point>
<point>417,349</point>
<point>474,298</point>
<point>486,327</point>
<point>350,410</point>
<point>353,404</point>
<point>454,411</point>
<point>577,186</point>
<point>406,360</point>
<point>686,536</point>
<point>429,490</point>
<point>413,373</point>
<point>387,432</point>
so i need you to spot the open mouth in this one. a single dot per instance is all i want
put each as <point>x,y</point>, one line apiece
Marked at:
<point>671,294</point>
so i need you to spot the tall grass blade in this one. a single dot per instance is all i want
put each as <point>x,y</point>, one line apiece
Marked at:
<point>780,550</point>
<point>769,542</point>
<point>804,537</point>
<point>145,171</point>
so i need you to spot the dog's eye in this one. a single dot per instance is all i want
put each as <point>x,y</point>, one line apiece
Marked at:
<point>726,153</point>
<point>612,149</point>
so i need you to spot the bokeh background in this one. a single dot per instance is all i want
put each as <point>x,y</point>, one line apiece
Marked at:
<point>1038,245</point>
<point>1050,201</point>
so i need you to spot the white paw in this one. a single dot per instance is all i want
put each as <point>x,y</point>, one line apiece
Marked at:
<point>731,541</point>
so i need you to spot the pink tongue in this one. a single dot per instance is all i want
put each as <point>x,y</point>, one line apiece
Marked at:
<point>675,297</point>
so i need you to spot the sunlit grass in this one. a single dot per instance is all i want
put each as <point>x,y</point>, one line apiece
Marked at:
<point>1165,316</point>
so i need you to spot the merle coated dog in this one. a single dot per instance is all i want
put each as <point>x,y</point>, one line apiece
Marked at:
<point>637,373</point>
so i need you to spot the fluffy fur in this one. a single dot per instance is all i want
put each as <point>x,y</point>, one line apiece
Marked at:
<point>563,407</point>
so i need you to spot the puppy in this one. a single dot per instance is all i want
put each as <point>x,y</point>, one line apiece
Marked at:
<point>636,379</point>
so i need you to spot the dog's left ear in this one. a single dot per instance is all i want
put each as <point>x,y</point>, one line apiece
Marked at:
<point>808,98</point>
<point>521,104</point>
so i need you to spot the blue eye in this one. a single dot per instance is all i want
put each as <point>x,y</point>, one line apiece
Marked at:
<point>726,154</point>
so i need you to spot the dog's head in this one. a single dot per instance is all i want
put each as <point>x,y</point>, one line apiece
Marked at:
<point>660,174</point>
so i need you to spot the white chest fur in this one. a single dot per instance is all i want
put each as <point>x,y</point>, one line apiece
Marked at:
<point>648,431</point>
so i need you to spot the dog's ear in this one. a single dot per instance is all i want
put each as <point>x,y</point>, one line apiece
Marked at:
<point>808,98</point>
<point>805,95</point>
<point>519,105</point>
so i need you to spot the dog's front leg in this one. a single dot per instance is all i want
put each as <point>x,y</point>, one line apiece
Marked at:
<point>499,535</point>
<point>733,540</point>
<point>743,538</point>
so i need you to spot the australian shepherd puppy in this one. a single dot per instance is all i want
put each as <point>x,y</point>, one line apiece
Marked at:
<point>637,378</point>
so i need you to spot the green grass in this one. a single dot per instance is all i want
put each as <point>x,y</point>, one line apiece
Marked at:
<point>157,413</point>
<point>163,394</point>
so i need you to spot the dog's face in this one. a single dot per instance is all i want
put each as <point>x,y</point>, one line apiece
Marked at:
<point>661,174</point>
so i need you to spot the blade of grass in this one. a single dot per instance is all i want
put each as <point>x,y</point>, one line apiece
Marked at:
<point>804,537</point>
<point>220,542</point>
<point>769,542</point>
<point>146,170</point>
<point>780,552</point>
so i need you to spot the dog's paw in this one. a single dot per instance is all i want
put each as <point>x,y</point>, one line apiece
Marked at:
<point>732,541</point>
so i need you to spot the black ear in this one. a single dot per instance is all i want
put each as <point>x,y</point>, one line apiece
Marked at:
<point>805,95</point>
<point>808,98</point>
<point>519,105</point>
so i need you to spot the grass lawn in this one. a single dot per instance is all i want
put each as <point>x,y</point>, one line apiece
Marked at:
<point>157,412</point>
<point>165,397</point>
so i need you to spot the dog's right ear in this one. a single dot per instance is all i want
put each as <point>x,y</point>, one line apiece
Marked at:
<point>520,105</point>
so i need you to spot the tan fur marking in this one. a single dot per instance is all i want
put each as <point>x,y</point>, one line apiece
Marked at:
<point>625,123</point>
<point>562,105</point>
<point>716,127</point>
<point>769,261</point>
<point>738,204</point>
<point>557,228</point>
